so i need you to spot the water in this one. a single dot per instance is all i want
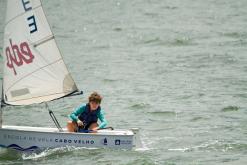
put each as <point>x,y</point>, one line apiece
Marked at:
<point>175,69</point>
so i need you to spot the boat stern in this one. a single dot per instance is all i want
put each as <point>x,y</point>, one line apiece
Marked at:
<point>136,138</point>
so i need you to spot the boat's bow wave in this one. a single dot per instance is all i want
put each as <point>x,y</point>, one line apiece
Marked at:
<point>54,151</point>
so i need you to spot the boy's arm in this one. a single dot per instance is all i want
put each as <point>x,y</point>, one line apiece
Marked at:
<point>74,115</point>
<point>102,119</point>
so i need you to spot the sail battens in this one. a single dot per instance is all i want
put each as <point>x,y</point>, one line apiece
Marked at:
<point>32,73</point>
<point>44,40</point>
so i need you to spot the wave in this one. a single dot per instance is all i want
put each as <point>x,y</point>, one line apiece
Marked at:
<point>117,29</point>
<point>213,146</point>
<point>106,80</point>
<point>182,41</point>
<point>230,109</point>
<point>164,113</point>
<point>234,35</point>
<point>12,155</point>
<point>198,118</point>
<point>55,151</point>
<point>140,106</point>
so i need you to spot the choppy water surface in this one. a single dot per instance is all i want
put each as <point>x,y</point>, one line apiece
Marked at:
<point>175,69</point>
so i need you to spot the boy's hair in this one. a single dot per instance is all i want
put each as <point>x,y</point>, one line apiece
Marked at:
<point>95,97</point>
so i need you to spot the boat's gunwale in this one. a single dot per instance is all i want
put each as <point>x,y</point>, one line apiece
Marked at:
<point>54,131</point>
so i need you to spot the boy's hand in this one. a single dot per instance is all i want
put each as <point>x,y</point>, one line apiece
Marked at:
<point>80,123</point>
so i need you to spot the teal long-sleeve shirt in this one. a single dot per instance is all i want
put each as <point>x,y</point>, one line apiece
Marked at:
<point>74,115</point>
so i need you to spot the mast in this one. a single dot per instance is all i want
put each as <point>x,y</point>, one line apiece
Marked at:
<point>1,120</point>
<point>1,108</point>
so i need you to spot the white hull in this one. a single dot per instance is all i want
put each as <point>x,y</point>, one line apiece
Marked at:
<point>40,138</point>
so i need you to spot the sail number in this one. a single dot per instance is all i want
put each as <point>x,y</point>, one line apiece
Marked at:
<point>18,55</point>
<point>31,19</point>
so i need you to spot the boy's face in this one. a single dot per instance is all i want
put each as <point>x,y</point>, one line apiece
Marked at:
<point>93,105</point>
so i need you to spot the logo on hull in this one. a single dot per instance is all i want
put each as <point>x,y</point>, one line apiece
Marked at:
<point>104,141</point>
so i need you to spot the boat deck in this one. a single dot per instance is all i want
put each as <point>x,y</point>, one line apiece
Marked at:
<point>55,130</point>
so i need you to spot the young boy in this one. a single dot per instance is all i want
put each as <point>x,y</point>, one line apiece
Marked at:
<point>86,116</point>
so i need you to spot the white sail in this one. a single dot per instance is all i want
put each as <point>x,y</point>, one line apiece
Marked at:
<point>34,70</point>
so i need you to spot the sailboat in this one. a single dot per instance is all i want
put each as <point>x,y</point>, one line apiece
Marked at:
<point>33,73</point>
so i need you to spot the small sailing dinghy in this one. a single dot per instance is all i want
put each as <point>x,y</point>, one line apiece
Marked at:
<point>34,72</point>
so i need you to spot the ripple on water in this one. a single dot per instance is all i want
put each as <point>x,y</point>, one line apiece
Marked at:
<point>13,155</point>
<point>8,155</point>
<point>108,80</point>
<point>235,35</point>
<point>139,106</point>
<point>55,152</point>
<point>216,145</point>
<point>163,113</point>
<point>182,41</point>
<point>117,29</point>
<point>230,109</point>
<point>198,118</point>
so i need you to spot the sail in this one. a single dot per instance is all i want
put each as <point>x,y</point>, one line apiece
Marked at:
<point>34,70</point>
